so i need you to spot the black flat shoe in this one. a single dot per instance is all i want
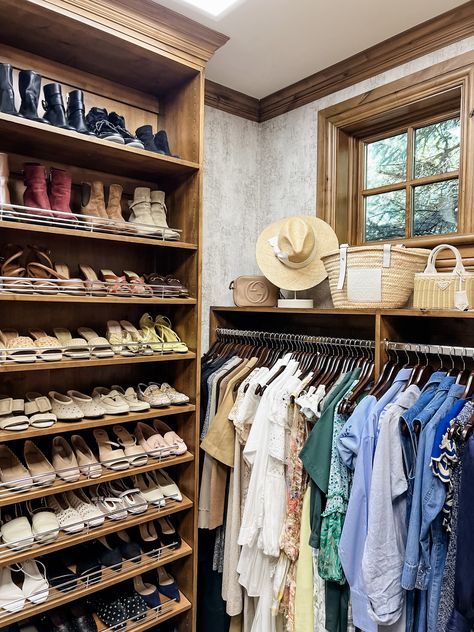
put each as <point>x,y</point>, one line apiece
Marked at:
<point>83,620</point>
<point>128,548</point>
<point>88,566</point>
<point>107,554</point>
<point>58,575</point>
<point>57,621</point>
<point>168,534</point>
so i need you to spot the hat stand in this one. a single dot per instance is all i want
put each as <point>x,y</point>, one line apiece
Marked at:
<point>296,303</point>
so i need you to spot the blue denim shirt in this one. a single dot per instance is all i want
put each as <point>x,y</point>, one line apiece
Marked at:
<point>354,532</point>
<point>412,552</point>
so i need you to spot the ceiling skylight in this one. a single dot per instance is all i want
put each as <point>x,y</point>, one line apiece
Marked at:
<point>212,7</point>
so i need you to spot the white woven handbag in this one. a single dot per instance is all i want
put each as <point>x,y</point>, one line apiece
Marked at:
<point>444,290</point>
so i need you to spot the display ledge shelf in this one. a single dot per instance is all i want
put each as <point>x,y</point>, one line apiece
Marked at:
<point>73,232</point>
<point>54,298</point>
<point>109,578</point>
<point>60,486</point>
<point>41,365</point>
<point>46,142</point>
<point>429,313</point>
<point>171,609</point>
<point>108,420</point>
<point>111,526</point>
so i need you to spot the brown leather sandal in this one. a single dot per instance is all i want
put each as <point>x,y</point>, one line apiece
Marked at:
<point>92,283</point>
<point>159,286</point>
<point>11,267</point>
<point>71,286</point>
<point>40,266</point>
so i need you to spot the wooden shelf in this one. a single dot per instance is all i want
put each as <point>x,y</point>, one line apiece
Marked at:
<point>46,142</point>
<point>84,300</point>
<point>60,486</point>
<point>433,313</point>
<point>88,234</point>
<point>109,578</point>
<point>41,365</point>
<point>108,420</point>
<point>65,540</point>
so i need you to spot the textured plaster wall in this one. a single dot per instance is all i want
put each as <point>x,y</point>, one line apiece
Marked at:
<point>256,174</point>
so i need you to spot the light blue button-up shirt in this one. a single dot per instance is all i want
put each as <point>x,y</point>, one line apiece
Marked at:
<point>354,533</point>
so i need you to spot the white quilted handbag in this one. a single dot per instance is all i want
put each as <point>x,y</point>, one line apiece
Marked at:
<point>444,290</point>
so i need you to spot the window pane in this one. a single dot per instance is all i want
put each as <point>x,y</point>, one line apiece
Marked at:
<point>437,148</point>
<point>385,161</point>
<point>385,216</point>
<point>435,208</point>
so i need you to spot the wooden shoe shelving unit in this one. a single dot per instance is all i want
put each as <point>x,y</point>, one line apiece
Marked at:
<point>147,63</point>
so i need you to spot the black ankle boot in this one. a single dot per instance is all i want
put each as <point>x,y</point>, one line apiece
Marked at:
<point>29,83</point>
<point>161,143</point>
<point>7,95</point>
<point>145,134</point>
<point>54,106</point>
<point>76,112</point>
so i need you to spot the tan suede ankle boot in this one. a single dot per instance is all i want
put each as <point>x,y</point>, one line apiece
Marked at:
<point>93,202</point>
<point>140,209</point>
<point>158,213</point>
<point>114,207</point>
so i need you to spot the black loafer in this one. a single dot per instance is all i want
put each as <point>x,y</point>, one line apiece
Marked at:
<point>60,576</point>
<point>83,620</point>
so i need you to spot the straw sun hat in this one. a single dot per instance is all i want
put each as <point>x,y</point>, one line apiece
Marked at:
<point>289,251</point>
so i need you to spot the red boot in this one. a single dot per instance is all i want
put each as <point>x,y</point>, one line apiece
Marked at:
<point>60,194</point>
<point>36,195</point>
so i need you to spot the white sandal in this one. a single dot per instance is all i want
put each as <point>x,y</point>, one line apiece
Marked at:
<point>133,500</point>
<point>134,452</point>
<point>18,348</point>
<point>112,507</point>
<point>69,520</point>
<point>39,411</point>
<point>110,453</point>
<point>49,348</point>
<point>35,585</point>
<point>12,598</point>
<point>75,348</point>
<point>99,346</point>
<point>12,415</point>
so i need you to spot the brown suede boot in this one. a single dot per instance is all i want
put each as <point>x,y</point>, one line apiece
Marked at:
<point>4,175</point>
<point>114,207</point>
<point>93,202</point>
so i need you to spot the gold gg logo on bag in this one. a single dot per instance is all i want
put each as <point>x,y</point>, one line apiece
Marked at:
<point>251,291</point>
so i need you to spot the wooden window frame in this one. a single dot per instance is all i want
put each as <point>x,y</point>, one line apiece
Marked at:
<point>436,91</point>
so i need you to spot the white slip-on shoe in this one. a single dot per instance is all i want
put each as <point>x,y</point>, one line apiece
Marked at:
<point>153,395</point>
<point>44,524</point>
<point>17,533</point>
<point>131,397</point>
<point>176,444</point>
<point>135,453</point>
<point>111,455</point>
<point>151,441</point>
<point>109,401</point>
<point>13,474</point>
<point>64,408</point>
<point>90,408</point>
<point>64,460</point>
<point>35,585</point>
<point>90,513</point>
<point>177,398</point>
<point>88,464</point>
<point>41,470</point>
<point>12,598</point>
<point>168,486</point>
<point>69,519</point>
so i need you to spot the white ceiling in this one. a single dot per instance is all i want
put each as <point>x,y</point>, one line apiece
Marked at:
<point>274,43</point>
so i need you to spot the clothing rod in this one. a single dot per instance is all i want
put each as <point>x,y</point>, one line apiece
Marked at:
<point>223,332</point>
<point>447,350</point>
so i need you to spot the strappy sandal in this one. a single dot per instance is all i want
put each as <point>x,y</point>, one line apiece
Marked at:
<point>121,341</point>
<point>111,453</point>
<point>111,506</point>
<point>49,348</point>
<point>11,267</point>
<point>137,284</point>
<point>99,346</point>
<point>136,336</point>
<point>18,348</point>
<point>176,444</point>
<point>172,341</point>
<point>38,410</point>
<point>75,348</point>
<point>92,283</point>
<point>134,452</point>
<point>12,414</point>
<point>132,498</point>
<point>76,287</point>
<point>116,286</point>
<point>40,266</point>
<point>151,338</point>
<point>177,287</point>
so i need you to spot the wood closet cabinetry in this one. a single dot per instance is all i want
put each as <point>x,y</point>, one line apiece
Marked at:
<point>146,63</point>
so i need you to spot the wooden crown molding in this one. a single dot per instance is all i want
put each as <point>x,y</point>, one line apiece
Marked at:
<point>147,21</point>
<point>440,31</point>
<point>231,101</point>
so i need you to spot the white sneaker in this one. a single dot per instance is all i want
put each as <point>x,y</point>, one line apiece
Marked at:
<point>69,519</point>
<point>90,513</point>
